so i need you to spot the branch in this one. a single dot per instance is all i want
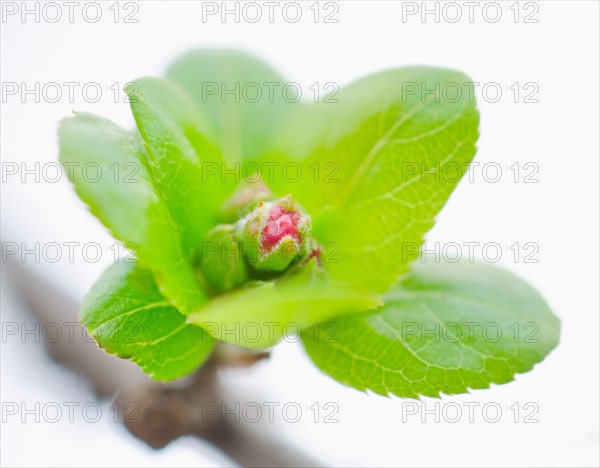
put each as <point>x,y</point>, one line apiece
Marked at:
<point>163,411</point>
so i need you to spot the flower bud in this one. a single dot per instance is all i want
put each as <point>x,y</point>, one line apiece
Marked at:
<point>246,196</point>
<point>222,265</point>
<point>274,235</point>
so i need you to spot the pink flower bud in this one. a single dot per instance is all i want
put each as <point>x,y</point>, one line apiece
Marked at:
<point>275,234</point>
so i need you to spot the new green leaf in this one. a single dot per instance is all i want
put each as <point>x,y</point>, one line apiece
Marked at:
<point>177,150</point>
<point>445,328</point>
<point>381,164</point>
<point>244,98</point>
<point>107,165</point>
<point>258,316</point>
<point>126,314</point>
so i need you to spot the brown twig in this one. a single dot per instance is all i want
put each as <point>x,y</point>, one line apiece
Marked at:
<point>163,411</point>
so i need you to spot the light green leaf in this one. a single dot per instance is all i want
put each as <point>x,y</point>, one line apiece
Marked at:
<point>384,163</point>
<point>221,261</point>
<point>446,328</point>
<point>242,97</point>
<point>107,166</point>
<point>127,315</point>
<point>171,128</point>
<point>258,316</point>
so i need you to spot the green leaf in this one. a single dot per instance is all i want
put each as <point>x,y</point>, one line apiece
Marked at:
<point>221,260</point>
<point>258,316</point>
<point>445,328</point>
<point>126,314</point>
<point>172,130</point>
<point>107,166</point>
<point>382,166</point>
<point>242,97</point>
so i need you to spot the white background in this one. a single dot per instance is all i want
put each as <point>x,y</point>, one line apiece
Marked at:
<point>560,213</point>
